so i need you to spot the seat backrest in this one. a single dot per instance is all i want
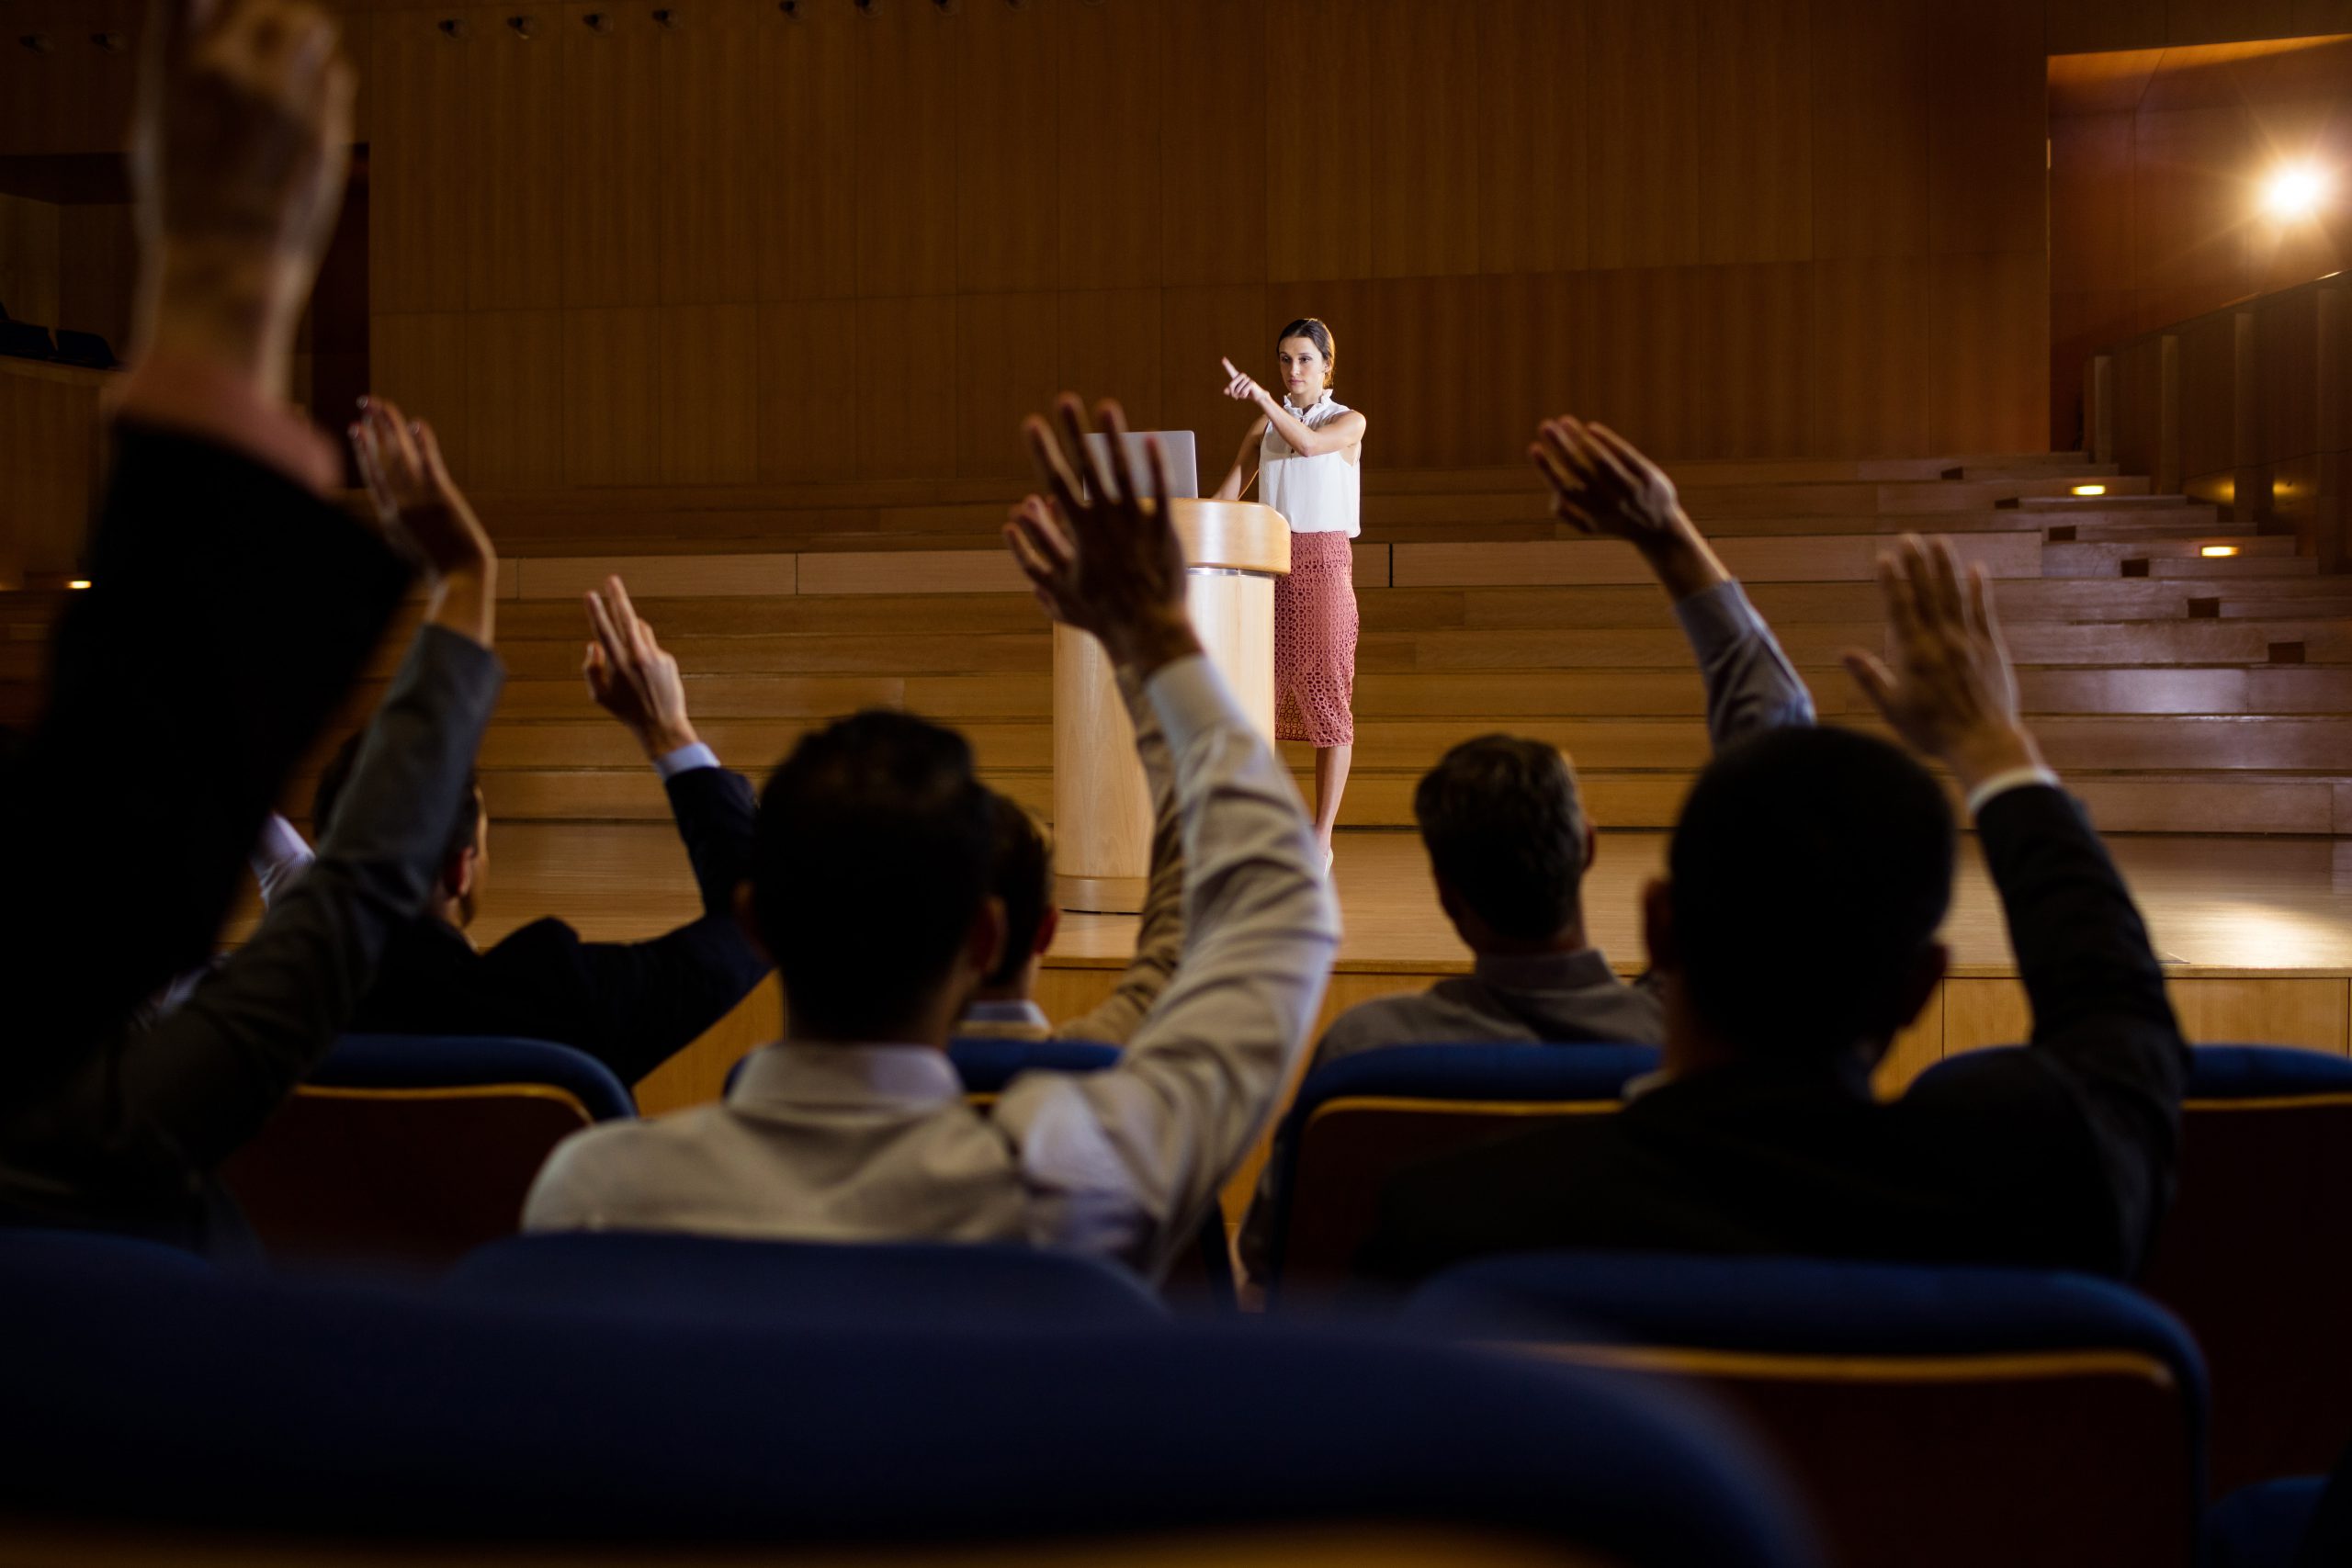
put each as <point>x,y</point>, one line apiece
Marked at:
<point>803,1282</point>
<point>409,1151</point>
<point>1929,1416</point>
<point>282,1413</point>
<point>1357,1121</point>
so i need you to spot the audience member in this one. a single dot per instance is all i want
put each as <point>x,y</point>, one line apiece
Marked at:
<point>1504,823</point>
<point>870,890</point>
<point>1794,936</point>
<point>1021,874</point>
<point>630,1005</point>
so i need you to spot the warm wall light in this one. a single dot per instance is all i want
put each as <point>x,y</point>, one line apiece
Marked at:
<point>2295,191</point>
<point>79,583</point>
<point>2090,489</point>
<point>2213,552</point>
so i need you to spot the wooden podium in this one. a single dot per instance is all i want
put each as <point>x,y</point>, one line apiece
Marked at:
<point>1233,552</point>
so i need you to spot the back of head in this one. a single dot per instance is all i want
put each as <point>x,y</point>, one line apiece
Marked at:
<point>1505,832</point>
<point>1811,869</point>
<point>1021,872</point>
<point>871,863</point>
<point>335,777</point>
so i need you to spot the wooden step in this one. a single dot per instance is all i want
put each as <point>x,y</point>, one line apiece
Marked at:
<point>2226,568</point>
<point>1816,559</point>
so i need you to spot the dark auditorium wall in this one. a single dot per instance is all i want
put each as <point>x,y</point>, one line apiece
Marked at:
<point>757,249</point>
<point>2157,155</point>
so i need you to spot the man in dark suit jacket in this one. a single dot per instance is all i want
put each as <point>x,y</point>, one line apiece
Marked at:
<point>233,607</point>
<point>1796,936</point>
<point>630,1005</point>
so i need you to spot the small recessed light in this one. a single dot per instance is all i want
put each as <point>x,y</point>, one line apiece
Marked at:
<point>2212,551</point>
<point>79,583</point>
<point>2090,489</point>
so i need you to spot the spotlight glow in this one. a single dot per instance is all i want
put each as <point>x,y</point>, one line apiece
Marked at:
<point>2214,552</point>
<point>2297,191</point>
<point>79,583</point>
<point>2090,489</point>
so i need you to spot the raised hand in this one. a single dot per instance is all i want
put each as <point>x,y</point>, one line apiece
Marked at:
<point>1602,485</point>
<point>1240,388</point>
<point>632,677</point>
<point>1949,690</point>
<point>1104,556</point>
<point>416,499</point>
<point>238,151</point>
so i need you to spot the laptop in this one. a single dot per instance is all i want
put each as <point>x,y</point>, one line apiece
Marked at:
<point>1175,451</point>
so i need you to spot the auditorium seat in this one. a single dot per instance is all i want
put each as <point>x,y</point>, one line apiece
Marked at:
<point>87,350</point>
<point>409,1151</point>
<point>803,1283</point>
<point>1929,1416</point>
<point>2262,1526</point>
<point>1357,1121</point>
<point>273,1423</point>
<point>30,1255</point>
<point>23,340</point>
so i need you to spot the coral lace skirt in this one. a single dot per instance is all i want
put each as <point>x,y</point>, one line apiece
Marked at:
<point>1315,642</point>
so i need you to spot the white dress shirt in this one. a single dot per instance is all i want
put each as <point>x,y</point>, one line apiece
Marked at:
<point>1315,495</point>
<point>875,1143</point>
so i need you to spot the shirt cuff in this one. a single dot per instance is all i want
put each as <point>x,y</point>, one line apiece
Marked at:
<point>278,848</point>
<point>1191,699</point>
<point>1714,618</point>
<point>2002,783</point>
<point>202,400</point>
<point>685,759</point>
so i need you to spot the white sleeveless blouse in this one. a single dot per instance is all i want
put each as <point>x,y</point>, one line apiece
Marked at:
<point>1315,495</point>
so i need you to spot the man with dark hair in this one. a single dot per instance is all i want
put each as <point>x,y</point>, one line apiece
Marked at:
<point>1023,875</point>
<point>1796,936</point>
<point>871,889</point>
<point>630,1005</point>
<point>1505,831</point>
<point>1505,826</point>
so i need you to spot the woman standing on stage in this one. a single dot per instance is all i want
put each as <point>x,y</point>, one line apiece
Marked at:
<point>1308,449</point>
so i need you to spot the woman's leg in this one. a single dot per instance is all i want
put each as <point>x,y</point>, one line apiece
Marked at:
<point>1331,783</point>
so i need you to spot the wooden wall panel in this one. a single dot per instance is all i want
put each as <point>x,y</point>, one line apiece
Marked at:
<point>1107,344</point>
<point>1872,129</point>
<point>1426,176</point>
<point>808,220</point>
<point>1987,188</point>
<point>612,170</point>
<point>2204,21</point>
<point>1006,368</point>
<point>1871,378</point>
<point>1753,107</point>
<point>29,89</point>
<point>1539,354</point>
<point>419,361</point>
<point>707,367</point>
<point>417,174</point>
<point>1213,134</point>
<point>514,401</point>
<point>713,157</point>
<point>1197,327</point>
<point>2187,172</point>
<point>1007,88</point>
<point>1410,356</point>
<point>1644,189</point>
<point>515,155</point>
<point>808,354</point>
<point>1319,146</point>
<point>1753,384</point>
<point>1533,148</point>
<point>2082,26</point>
<point>1989,349</point>
<point>30,285</point>
<point>1644,355</point>
<point>906,151</point>
<point>612,403</point>
<point>904,364</point>
<point>2090,203</point>
<point>1109,208</point>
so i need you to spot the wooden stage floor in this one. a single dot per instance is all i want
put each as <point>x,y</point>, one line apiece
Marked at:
<point>2257,933</point>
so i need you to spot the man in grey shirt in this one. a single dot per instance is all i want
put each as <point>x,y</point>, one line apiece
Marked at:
<point>1508,837</point>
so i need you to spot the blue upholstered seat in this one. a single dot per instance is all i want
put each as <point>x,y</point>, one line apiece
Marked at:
<point>336,1414</point>
<point>1932,1416</point>
<point>411,1150</point>
<point>1359,1120</point>
<point>2253,1254</point>
<point>797,1283</point>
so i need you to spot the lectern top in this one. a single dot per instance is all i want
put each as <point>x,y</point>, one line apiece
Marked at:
<point>1238,535</point>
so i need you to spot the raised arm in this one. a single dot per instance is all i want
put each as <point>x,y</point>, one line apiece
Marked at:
<point>1128,1161</point>
<point>1602,485</point>
<point>1336,435</point>
<point>2100,1013</point>
<point>1244,472</point>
